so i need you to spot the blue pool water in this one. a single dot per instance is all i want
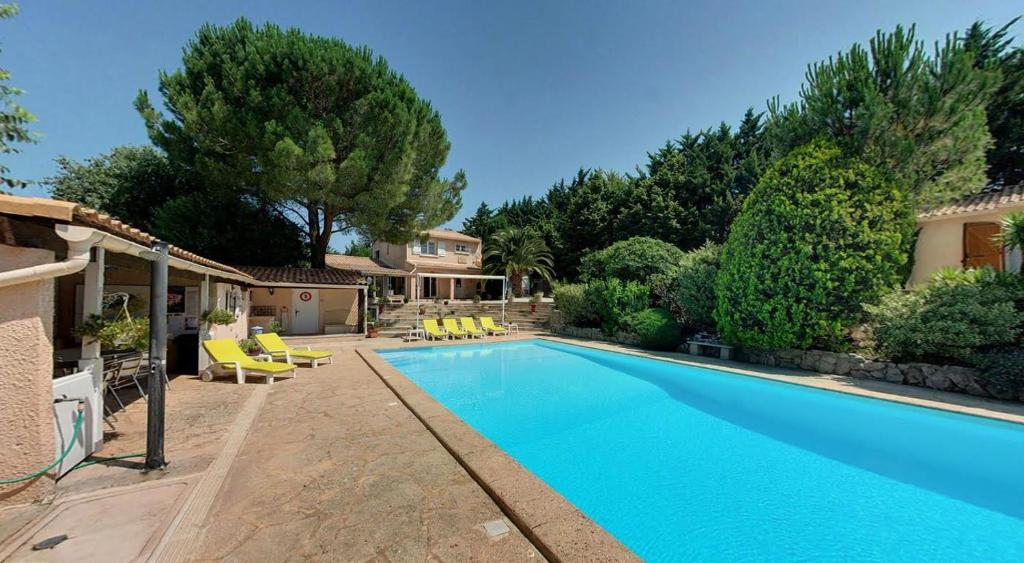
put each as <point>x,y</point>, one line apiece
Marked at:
<point>689,464</point>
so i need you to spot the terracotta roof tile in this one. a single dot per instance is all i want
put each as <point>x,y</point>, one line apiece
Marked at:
<point>990,199</point>
<point>451,235</point>
<point>311,276</point>
<point>367,266</point>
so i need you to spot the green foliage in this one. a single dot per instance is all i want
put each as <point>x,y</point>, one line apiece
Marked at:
<point>516,253</point>
<point>218,226</point>
<point>14,119</point>
<point>689,191</point>
<point>657,329</point>
<point>635,259</point>
<point>1012,234</point>
<point>1003,368</point>
<point>993,49</point>
<point>275,326</point>
<point>693,188</point>
<point>571,299</point>
<point>218,317</point>
<point>129,182</point>
<point>689,291</point>
<point>614,301</point>
<point>361,246</point>
<point>141,187</point>
<point>249,346</point>
<point>919,117</point>
<point>327,131</point>
<point>950,319</point>
<point>818,236</point>
<point>116,334</point>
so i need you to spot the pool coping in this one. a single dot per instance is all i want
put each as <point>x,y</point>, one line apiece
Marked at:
<point>559,530</point>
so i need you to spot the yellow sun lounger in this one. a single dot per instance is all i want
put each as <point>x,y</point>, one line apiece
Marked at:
<point>272,344</point>
<point>489,326</point>
<point>452,326</point>
<point>225,355</point>
<point>469,326</point>
<point>433,331</point>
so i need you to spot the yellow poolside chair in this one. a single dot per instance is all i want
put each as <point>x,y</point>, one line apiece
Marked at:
<point>469,326</point>
<point>433,331</point>
<point>226,356</point>
<point>489,326</point>
<point>452,326</point>
<point>272,344</point>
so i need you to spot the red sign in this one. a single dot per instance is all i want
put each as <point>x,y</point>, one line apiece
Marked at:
<point>305,296</point>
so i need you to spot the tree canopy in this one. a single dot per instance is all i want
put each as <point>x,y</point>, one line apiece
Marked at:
<point>14,119</point>
<point>917,116</point>
<point>327,132</point>
<point>993,49</point>
<point>140,186</point>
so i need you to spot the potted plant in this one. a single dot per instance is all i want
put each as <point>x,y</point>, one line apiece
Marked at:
<point>372,292</point>
<point>213,317</point>
<point>534,299</point>
<point>371,330</point>
<point>250,347</point>
<point>116,334</point>
<point>275,326</point>
<point>476,298</point>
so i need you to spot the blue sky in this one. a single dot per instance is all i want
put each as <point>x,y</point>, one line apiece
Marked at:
<point>528,91</point>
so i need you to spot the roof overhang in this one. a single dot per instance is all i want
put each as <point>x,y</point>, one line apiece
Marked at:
<point>458,276</point>
<point>305,285</point>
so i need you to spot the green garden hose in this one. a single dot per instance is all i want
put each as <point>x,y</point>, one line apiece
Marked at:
<point>71,445</point>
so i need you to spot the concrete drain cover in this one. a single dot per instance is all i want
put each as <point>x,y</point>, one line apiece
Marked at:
<point>495,528</point>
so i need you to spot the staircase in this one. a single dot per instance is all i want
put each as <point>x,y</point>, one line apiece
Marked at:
<point>395,320</point>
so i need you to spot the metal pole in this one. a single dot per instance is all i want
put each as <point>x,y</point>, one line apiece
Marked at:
<point>504,282</point>
<point>157,357</point>
<point>416,290</point>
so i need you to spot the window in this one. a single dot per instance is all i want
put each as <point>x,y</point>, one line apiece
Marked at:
<point>376,254</point>
<point>431,248</point>
<point>461,248</point>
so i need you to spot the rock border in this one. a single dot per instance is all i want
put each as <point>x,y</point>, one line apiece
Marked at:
<point>957,379</point>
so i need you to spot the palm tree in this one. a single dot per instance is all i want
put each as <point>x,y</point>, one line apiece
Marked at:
<point>518,252</point>
<point>1013,233</point>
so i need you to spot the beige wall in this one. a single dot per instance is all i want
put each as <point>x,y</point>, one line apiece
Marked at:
<point>338,306</point>
<point>940,244</point>
<point>396,255</point>
<point>219,299</point>
<point>26,377</point>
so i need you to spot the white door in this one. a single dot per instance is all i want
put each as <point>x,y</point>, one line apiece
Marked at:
<point>305,311</point>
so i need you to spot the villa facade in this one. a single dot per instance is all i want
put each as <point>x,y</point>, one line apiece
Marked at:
<point>446,253</point>
<point>963,235</point>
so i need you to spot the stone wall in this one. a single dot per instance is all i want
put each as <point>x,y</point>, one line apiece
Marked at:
<point>591,333</point>
<point>944,378</point>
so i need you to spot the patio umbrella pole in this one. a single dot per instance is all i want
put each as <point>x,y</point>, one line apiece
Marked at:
<point>157,358</point>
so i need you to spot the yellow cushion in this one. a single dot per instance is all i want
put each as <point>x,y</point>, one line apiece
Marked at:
<point>271,342</point>
<point>311,354</point>
<point>267,367</point>
<point>452,326</point>
<point>488,323</point>
<point>430,325</point>
<point>224,350</point>
<point>470,326</point>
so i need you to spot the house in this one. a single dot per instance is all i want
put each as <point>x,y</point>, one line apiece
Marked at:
<point>61,263</point>
<point>440,264</point>
<point>962,235</point>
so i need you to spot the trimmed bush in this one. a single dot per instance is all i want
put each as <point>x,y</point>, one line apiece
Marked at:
<point>571,300</point>
<point>636,259</point>
<point>656,329</point>
<point>819,235</point>
<point>948,320</point>
<point>689,292</point>
<point>1004,370</point>
<point>614,301</point>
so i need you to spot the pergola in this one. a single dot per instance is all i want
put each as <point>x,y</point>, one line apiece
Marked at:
<point>419,276</point>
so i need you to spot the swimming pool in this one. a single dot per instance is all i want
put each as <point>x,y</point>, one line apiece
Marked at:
<point>686,463</point>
